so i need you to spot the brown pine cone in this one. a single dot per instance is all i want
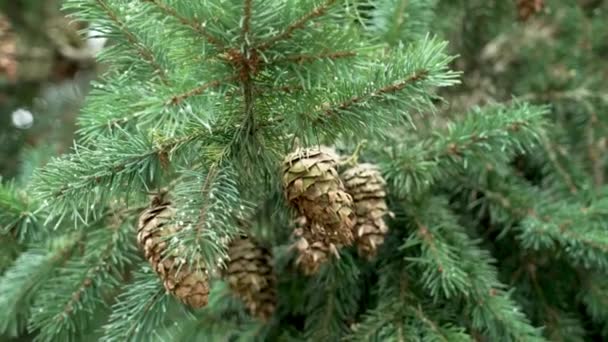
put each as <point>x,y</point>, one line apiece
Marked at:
<point>251,277</point>
<point>368,188</point>
<point>189,283</point>
<point>311,183</point>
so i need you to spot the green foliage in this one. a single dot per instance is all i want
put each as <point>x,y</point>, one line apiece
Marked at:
<point>20,283</point>
<point>499,206</point>
<point>18,217</point>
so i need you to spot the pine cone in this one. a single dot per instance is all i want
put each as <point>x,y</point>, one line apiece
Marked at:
<point>189,283</point>
<point>527,8</point>
<point>367,187</point>
<point>313,249</point>
<point>250,275</point>
<point>312,185</point>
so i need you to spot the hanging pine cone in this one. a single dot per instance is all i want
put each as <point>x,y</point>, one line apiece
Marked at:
<point>250,275</point>
<point>189,283</point>
<point>367,187</point>
<point>527,8</point>
<point>313,249</point>
<point>312,185</point>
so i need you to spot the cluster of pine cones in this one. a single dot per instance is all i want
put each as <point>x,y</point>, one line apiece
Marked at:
<point>336,210</point>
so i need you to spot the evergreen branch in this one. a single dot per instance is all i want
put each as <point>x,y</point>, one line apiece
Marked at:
<point>334,109</point>
<point>77,180</point>
<point>401,311</point>
<point>402,20</point>
<point>196,27</point>
<point>246,19</point>
<point>221,320</point>
<point>306,58</point>
<point>440,262</point>
<point>143,51</point>
<point>67,306</point>
<point>561,170</point>
<point>140,309</point>
<point>207,202</point>
<point>377,97</point>
<point>474,140</point>
<point>329,309</point>
<point>593,295</point>
<point>144,106</point>
<point>177,99</point>
<point>17,215</point>
<point>435,332</point>
<point>578,229</point>
<point>20,284</point>
<point>491,308</point>
<point>298,24</point>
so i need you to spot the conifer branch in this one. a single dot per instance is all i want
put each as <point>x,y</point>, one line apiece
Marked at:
<point>246,19</point>
<point>334,109</point>
<point>413,169</point>
<point>437,331</point>
<point>561,170</point>
<point>17,214</point>
<point>305,58</point>
<point>196,27</point>
<point>579,231</point>
<point>298,24</point>
<point>491,307</point>
<point>67,182</point>
<point>205,191</point>
<point>143,51</point>
<point>330,308</point>
<point>177,99</point>
<point>80,285</point>
<point>97,269</point>
<point>139,309</point>
<point>20,283</point>
<point>207,202</point>
<point>593,295</point>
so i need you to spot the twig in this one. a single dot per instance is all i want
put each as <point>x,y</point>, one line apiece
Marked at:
<point>298,24</point>
<point>246,18</point>
<point>311,58</point>
<point>192,24</point>
<point>177,99</point>
<point>415,77</point>
<point>132,39</point>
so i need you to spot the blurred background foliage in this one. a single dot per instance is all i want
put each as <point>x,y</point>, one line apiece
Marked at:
<point>46,64</point>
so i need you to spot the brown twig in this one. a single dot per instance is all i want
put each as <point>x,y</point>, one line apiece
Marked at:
<point>416,76</point>
<point>298,24</point>
<point>177,99</point>
<point>197,27</point>
<point>143,51</point>
<point>424,233</point>
<point>564,227</point>
<point>246,18</point>
<point>561,170</point>
<point>311,58</point>
<point>100,267</point>
<point>200,226</point>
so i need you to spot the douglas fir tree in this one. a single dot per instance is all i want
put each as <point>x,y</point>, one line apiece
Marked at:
<point>277,171</point>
